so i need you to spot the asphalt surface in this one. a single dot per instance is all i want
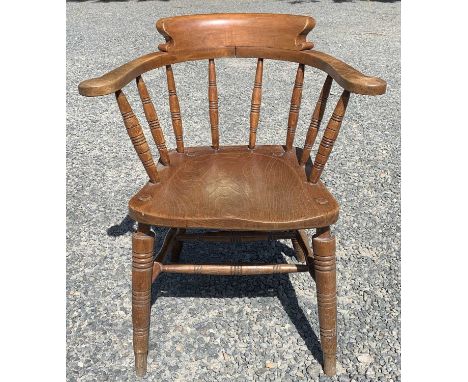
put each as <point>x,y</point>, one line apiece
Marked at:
<point>207,328</point>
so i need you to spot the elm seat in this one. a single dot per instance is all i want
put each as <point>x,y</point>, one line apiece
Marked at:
<point>234,188</point>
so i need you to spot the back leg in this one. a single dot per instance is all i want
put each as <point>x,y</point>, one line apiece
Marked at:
<point>298,251</point>
<point>177,246</point>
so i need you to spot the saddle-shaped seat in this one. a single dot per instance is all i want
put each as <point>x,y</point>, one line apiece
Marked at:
<point>234,188</point>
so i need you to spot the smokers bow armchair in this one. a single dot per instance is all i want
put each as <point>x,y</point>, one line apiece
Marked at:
<point>238,193</point>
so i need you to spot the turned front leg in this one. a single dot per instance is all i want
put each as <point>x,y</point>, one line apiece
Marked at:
<point>142,265</point>
<point>325,277</point>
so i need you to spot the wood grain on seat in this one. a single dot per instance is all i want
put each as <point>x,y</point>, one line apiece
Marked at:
<point>234,188</point>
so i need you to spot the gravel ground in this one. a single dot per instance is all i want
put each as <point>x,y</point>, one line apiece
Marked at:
<point>233,328</point>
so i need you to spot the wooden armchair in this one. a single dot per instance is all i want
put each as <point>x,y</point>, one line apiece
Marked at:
<point>240,193</point>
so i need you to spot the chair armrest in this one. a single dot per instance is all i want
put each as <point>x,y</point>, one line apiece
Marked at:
<point>345,75</point>
<point>118,78</point>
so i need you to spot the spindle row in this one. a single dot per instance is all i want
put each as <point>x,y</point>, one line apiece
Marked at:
<point>141,146</point>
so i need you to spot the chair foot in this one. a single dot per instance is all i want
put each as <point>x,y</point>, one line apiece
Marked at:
<point>141,364</point>
<point>142,266</point>
<point>329,364</point>
<point>325,277</point>
<point>177,247</point>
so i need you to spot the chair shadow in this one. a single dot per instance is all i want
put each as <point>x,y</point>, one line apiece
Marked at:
<point>125,226</point>
<point>184,286</point>
<point>189,286</point>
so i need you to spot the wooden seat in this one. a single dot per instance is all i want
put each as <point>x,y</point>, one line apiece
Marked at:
<point>248,192</point>
<point>234,188</point>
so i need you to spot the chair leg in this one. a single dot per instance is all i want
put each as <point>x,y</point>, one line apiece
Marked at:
<point>298,252</point>
<point>177,247</point>
<point>325,277</point>
<point>142,264</point>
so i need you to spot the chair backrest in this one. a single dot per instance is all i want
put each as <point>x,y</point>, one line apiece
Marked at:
<point>199,32</point>
<point>263,36</point>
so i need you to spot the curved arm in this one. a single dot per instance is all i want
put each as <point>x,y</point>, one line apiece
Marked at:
<point>118,78</point>
<point>346,76</point>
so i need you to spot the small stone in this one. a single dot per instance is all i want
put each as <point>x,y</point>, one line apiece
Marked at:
<point>283,366</point>
<point>365,358</point>
<point>340,369</point>
<point>261,371</point>
<point>314,370</point>
<point>370,372</point>
<point>270,365</point>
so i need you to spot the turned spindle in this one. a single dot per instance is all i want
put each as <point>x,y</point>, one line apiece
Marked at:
<point>153,120</point>
<point>213,104</point>
<point>136,135</point>
<point>256,103</point>
<point>329,137</point>
<point>295,106</point>
<point>175,109</point>
<point>316,120</point>
<point>233,269</point>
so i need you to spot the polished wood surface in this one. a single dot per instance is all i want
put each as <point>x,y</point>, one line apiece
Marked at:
<point>346,76</point>
<point>175,109</point>
<point>303,241</point>
<point>217,30</point>
<point>153,120</point>
<point>213,104</point>
<point>168,243</point>
<point>298,252</point>
<point>324,267</point>
<point>142,266</point>
<point>234,188</point>
<point>295,106</point>
<point>256,103</point>
<point>329,137</point>
<point>239,193</point>
<point>316,120</point>
<point>233,270</point>
<point>301,246</point>
<point>137,136</point>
